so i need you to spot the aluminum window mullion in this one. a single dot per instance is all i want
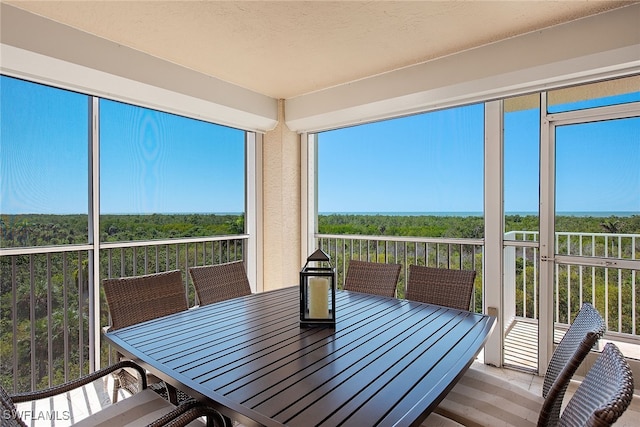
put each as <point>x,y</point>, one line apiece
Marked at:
<point>32,318</point>
<point>609,112</point>
<point>94,233</point>
<point>50,369</point>
<point>548,271</point>
<point>65,299</point>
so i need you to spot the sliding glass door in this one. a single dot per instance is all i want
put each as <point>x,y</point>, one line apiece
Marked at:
<point>597,221</point>
<point>590,215</point>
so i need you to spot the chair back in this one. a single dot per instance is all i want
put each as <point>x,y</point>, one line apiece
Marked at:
<point>441,286</point>
<point>604,394</point>
<point>583,334</point>
<point>137,299</point>
<point>220,282</point>
<point>9,415</point>
<point>372,278</point>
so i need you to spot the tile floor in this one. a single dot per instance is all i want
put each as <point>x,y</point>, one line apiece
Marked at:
<point>533,383</point>
<point>64,410</point>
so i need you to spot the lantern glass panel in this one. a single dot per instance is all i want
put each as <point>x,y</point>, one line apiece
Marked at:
<point>317,293</point>
<point>318,304</point>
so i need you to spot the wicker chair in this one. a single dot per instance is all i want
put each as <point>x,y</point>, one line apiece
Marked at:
<point>604,393</point>
<point>141,408</point>
<point>214,419</point>
<point>372,278</point>
<point>220,282</point>
<point>483,399</point>
<point>441,286</point>
<point>137,299</point>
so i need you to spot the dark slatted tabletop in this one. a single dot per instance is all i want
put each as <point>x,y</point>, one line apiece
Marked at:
<point>387,363</point>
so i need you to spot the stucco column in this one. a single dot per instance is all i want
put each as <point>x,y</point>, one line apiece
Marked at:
<point>281,201</point>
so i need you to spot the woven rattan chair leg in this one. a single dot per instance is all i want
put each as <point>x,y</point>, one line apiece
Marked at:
<point>129,382</point>
<point>172,394</point>
<point>116,387</point>
<point>218,420</point>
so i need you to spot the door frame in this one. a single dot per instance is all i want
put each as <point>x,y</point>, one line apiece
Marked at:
<point>548,257</point>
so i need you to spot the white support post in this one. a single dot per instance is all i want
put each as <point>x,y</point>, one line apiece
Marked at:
<point>253,214</point>
<point>309,196</point>
<point>493,229</point>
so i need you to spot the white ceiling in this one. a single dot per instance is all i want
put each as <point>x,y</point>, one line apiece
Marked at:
<point>284,49</point>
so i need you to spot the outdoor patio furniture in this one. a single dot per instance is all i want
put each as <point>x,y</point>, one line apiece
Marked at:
<point>249,358</point>
<point>441,286</point>
<point>220,282</point>
<point>141,408</point>
<point>214,419</point>
<point>372,278</point>
<point>483,399</point>
<point>604,393</point>
<point>136,299</point>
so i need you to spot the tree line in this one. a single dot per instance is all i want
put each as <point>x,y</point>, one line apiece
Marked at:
<point>59,290</point>
<point>46,230</point>
<point>465,226</point>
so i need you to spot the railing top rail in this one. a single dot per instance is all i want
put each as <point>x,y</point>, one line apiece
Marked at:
<point>521,243</point>
<point>447,240</point>
<point>526,232</point>
<point>110,245</point>
<point>573,233</point>
<point>28,250</point>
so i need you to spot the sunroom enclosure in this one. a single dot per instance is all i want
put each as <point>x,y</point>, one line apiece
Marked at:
<point>51,329</point>
<point>527,273</point>
<point>595,263</point>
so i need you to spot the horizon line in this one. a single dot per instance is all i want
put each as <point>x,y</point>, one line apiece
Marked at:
<point>378,213</point>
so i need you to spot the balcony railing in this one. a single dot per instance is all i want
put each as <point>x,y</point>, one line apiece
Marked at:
<point>45,300</point>
<point>609,287</point>
<point>447,253</point>
<point>45,291</point>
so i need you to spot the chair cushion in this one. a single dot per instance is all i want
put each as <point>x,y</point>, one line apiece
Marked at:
<point>137,410</point>
<point>437,420</point>
<point>482,399</point>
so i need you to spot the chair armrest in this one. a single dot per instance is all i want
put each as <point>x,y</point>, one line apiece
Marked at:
<point>79,382</point>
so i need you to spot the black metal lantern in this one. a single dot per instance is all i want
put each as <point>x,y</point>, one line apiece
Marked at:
<point>318,292</point>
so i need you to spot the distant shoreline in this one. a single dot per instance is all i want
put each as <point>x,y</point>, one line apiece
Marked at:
<point>437,214</point>
<point>479,214</point>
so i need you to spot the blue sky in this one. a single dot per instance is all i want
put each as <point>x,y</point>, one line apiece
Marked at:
<point>150,161</point>
<point>164,163</point>
<point>43,149</point>
<point>157,162</point>
<point>598,166</point>
<point>412,164</point>
<point>434,163</point>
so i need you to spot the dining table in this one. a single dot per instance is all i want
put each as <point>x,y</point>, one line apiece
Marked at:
<point>387,361</point>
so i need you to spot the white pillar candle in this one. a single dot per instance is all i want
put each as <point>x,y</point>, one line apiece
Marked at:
<point>318,298</point>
